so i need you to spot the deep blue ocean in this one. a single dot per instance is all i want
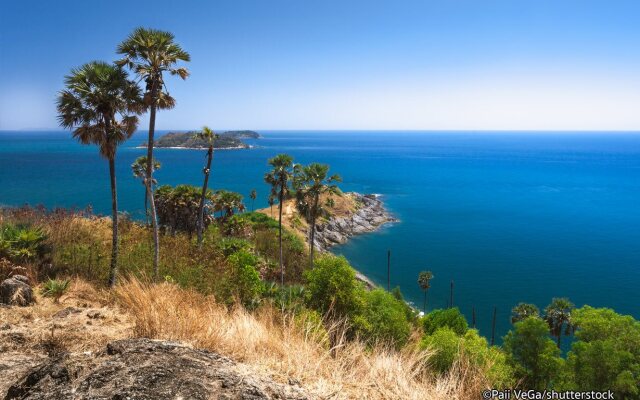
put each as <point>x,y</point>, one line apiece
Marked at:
<point>509,217</point>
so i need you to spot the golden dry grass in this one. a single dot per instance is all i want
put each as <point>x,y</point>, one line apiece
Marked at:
<point>273,343</point>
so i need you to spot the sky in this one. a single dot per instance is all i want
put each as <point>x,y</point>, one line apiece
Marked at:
<point>424,65</point>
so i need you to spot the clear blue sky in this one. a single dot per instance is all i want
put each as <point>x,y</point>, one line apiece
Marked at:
<point>347,64</point>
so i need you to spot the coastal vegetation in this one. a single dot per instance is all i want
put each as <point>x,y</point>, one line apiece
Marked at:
<point>194,140</point>
<point>248,285</point>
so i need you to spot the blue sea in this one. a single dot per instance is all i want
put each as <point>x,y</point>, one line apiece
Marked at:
<point>508,216</point>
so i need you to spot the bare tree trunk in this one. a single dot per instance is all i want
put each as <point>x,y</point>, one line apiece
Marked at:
<point>202,198</point>
<point>312,234</point>
<point>280,198</point>
<point>114,223</point>
<point>154,219</point>
<point>146,203</point>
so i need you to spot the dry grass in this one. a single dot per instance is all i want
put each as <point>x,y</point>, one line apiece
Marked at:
<point>274,343</point>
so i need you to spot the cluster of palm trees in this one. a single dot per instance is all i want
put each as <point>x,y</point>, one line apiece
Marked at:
<point>308,183</point>
<point>101,104</point>
<point>557,315</point>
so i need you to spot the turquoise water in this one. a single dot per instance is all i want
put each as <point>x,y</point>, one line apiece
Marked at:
<point>508,216</point>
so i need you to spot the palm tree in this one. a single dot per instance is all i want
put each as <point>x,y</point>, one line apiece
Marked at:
<point>311,182</point>
<point>99,104</point>
<point>151,53</point>
<point>523,311</point>
<point>227,202</point>
<point>424,280</point>
<point>279,178</point>
<point>252,196</point>
<point>209,136</point>
<point>558,316</point>
<point>139,169</point>
<point>272,200</point>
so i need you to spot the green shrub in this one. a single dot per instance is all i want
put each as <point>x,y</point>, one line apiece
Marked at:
<point>311,324</point>
<point>230,245</point>
<point>242,280</point>
<point>55,288</point>
<point>532,354</point>
<point>606,354</point>
<point>450,317</point>
<point>383,319</point>
<point>259,220</point>
<point>288,297</point>
<point>332,287</point>
<point>22,242</point>
<point>448,347</point>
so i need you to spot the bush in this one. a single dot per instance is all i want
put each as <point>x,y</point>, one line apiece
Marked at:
<point>383,319</point>
<point>55,288</point>
<point>607,352</point>
<point>259,220</point>
<point>448,347</point>
<point>532,354</point>
<point>332,288</point>
<point>242,280</point>
<point>20,243</point>
<point>450,317</point>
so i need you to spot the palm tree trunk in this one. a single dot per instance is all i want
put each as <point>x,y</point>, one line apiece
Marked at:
<point>146,204</point>
<point>154,220</point>
<point>202,198</point>
<point>114,223</point>
<point>312,234</point>
<point>280,198</point>
<point>425,302</point>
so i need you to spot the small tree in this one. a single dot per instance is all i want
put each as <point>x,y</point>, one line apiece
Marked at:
<point>450,317</point>
<point>532,354</point>
<point>139,169</point>
<point>424,280</point>
<point>209,137</point>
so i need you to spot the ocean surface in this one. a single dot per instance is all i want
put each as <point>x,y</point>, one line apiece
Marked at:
<point>509,217</point>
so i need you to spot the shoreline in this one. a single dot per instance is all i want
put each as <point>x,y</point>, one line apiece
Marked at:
<point>199,148</point>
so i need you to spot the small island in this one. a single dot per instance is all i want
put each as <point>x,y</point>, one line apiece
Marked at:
<point>189,140</point>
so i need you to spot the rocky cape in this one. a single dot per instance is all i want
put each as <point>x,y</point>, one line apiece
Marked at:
<point>368,216</point>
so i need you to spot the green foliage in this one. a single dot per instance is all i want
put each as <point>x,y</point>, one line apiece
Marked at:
<point>55,288</point>
<point>383,319</point>
<point>242,281</point>
<point>410,313</point>
<point>231,245</point>
<point>258,220</point>
<point>20,243</point>
<point>558,316</point>
<point>332,287</point>
<point>450,317</point>
<point>446,346</point>
<point>523,311</point>
<point>532,354</point>
<point>288,297</point>
<point>607,352</point>
<point>177,208</point>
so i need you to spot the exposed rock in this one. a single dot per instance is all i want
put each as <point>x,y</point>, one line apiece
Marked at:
<point>369,217</point>
<point>16,291</point>
<point>65,312</point>
<point>147,369</point>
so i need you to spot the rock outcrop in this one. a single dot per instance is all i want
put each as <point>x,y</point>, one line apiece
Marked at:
<point>16,291</point>
<point>147,369</point>
<point>369,216</point>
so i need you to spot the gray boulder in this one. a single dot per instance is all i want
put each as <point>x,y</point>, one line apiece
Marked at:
<point>16,291</point>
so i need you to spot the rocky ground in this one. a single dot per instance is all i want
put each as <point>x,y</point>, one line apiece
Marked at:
<point>82,347</point>
<point>146,369</point>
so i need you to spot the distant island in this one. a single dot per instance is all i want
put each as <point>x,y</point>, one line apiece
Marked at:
<point>189,140</point>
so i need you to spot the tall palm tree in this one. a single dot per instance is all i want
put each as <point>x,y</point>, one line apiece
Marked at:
<point>279,178</point>
<point>253,196</point>
<point>151,53</point>
<point>139,169</point>
<point>272,200</point>
<point>311,182</point>
<point>558,316</point>
<point>99,104</point>
<point>523,311</point>
<point>424,280</point>
<point>209,137</point>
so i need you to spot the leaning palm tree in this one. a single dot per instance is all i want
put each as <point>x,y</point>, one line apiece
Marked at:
<point>209,137</point>
<point>424,280</point>
<point>253,196</point>
<point>139,169</point>
<point>311,182</point>
<point>279,178</point>
<point>151,53</point>
<point>99,104</point>
<point>523,311</point>
<point>558,316</point>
